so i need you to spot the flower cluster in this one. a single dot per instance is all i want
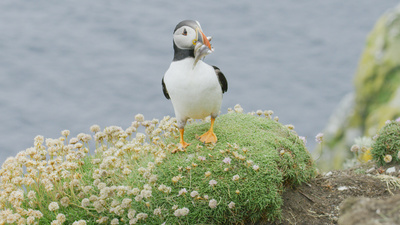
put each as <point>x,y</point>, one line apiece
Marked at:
<point>181,212</point>
<point>56,167</point>
<point>362,150</point>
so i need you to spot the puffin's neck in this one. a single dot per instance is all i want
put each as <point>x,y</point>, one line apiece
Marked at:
<point>180,54</point>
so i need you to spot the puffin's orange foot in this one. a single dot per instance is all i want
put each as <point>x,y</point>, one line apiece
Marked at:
<point>184,144</point>
<point>181,147</point>
<point>208,137</point>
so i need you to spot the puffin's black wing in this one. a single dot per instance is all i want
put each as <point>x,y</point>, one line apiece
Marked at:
<point>221,78</point>
<point>164,89</point>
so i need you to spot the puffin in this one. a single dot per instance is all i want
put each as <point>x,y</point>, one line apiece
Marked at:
<point>194,87</point>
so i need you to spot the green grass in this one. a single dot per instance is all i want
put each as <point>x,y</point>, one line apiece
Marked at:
<point>264,154</point>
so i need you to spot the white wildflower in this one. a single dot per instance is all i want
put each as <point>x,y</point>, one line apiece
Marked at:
<point>61,217</point>
<point>80,222</point>
<point>290,126</point>
<point>138,198</point>
<point>131,213</point>
<point>319,138</point>
<point>157,212</point>
<point>355,148</point>
<point>53,206</point>
<point>181,212</point>
<point>141,216</point>
<point>139,117</point>
<point>303,139</point>
<point>182,191</point>
<point>103,219</point>
<point>238,108</point>
<point>212,183</point>
<point>135,191</point>
<point>133,221</point>
<point>73,141</point>
<point>85,202</point>
<point>95,128</point>
<point>126,202</point>
<point>64,201</point>
<point>212,204</point>
<point>146,193</point>
<point>65,133</point>
<point>31,195</point>
<point>256,167</point>
<point>194,194</point>
<point>387,158</point>
<point>114,221</point>
<point>227,160</point>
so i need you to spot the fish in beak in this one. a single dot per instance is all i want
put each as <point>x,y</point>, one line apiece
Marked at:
<point>202,46</point>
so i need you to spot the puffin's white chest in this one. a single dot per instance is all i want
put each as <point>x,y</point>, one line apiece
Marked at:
<point>194,92</point>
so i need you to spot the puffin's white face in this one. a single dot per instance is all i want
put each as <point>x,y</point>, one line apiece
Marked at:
<point>185,37</point>
<point>189,36</point>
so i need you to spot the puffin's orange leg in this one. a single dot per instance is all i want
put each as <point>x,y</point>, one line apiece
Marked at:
<point>183,143</point>
<point>209,136</point>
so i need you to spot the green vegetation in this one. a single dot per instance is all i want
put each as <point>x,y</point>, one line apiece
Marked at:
<point>137,178</point>
<point>386,148</point>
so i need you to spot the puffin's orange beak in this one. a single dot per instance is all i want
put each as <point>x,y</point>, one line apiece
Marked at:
<point>203,39</point>
<point>202,46</point>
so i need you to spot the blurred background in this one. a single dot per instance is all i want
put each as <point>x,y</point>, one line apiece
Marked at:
<point>72,64</point>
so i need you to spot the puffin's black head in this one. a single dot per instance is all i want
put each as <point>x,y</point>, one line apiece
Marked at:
<point>187,35</point>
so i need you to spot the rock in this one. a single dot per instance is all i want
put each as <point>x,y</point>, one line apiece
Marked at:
<point>328,173</point>
<point>391,170</point>
<point>370,170</point>
<point>343,188</point>
<point>370,211</point>
<point>376,98</point>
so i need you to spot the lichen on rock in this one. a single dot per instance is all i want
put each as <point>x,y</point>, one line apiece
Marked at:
<point>377,89</point>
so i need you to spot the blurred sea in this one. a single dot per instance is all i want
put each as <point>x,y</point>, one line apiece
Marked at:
<point>72,64</point>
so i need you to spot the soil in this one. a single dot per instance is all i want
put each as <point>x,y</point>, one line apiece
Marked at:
<point>320,200</point>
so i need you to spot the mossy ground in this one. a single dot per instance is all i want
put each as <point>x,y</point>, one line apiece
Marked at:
<point>279,153</point>
<point>140,180</point>
<point>268,143</point>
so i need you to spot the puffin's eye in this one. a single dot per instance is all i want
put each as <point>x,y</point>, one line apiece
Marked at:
<point>184,32</point>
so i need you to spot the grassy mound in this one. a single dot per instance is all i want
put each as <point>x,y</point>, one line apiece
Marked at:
<point>386,148</point>
<point>135,178</point>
